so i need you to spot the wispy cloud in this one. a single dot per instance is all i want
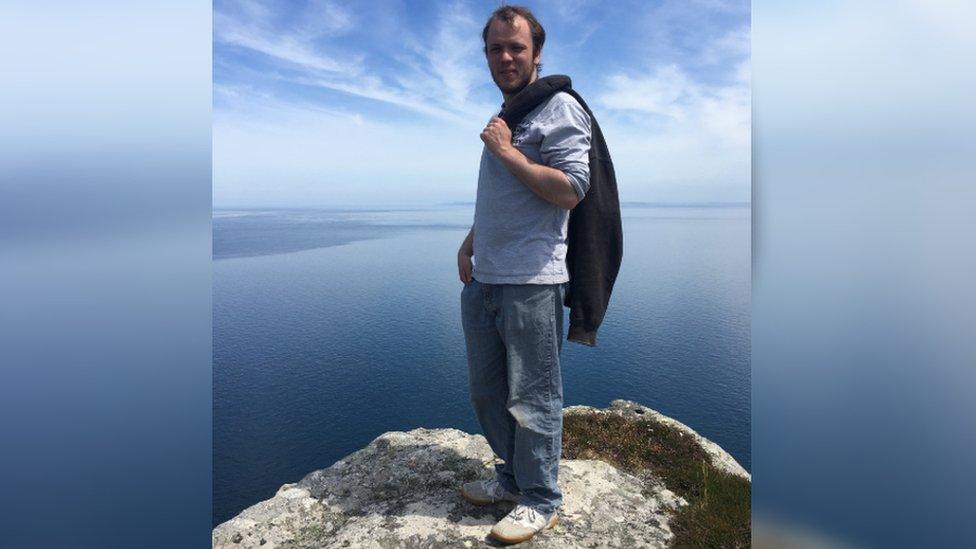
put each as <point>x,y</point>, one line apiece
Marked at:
<point>672,101</point>
<point>689,31</point>
<point>246,105</point>
<point>681,119</point>
<point>455,59</point>
<point>435,80</point>
<point>271,152</point>
<point>572,10</point>
<point>326,18</point>
<point>673,132</point>
<point>734,46</point>
<point>293,49</point>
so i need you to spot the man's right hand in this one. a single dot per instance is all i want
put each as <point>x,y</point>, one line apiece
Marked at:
<point>464,267</point>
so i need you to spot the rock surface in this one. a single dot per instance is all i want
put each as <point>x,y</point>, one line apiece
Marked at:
<point>402,491</point>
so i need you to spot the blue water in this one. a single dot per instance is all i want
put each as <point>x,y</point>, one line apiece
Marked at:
<point>332,327</point>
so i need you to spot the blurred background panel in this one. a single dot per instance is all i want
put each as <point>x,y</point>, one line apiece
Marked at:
<point>105,402</point>
<point>864,355</point>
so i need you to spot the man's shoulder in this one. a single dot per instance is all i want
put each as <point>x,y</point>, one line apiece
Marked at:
<point>561,101</point>
<point>562,108</point>
<point>564,97</point>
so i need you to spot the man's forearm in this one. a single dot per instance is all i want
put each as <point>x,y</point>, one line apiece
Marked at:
<point>467,247</point>
<point>548,183</point>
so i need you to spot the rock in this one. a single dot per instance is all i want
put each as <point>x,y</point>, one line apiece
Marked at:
<point>632,410</point>
<point>402,491</point>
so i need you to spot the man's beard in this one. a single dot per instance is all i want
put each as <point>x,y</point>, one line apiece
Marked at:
<point>515,88</point>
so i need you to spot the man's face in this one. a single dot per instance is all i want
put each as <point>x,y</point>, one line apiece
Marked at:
<point>510,55</point>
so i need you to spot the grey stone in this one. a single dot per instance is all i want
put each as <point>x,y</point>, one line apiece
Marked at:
<point>402,490</point>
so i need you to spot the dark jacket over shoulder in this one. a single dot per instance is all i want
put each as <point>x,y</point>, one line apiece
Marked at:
<point>595,241</point>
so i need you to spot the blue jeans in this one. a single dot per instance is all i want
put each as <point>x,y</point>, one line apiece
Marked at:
<point>513,334</point>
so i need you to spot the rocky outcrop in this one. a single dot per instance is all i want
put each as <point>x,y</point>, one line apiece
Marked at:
<point>632,410</point>
<point>402,491</point>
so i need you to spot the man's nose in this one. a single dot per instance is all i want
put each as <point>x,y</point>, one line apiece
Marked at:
<point>506,56</point>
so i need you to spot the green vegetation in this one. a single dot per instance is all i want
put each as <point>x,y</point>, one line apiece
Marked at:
<point>719,510</point>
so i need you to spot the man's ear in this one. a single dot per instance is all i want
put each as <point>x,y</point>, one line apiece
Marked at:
<point>537,58</point>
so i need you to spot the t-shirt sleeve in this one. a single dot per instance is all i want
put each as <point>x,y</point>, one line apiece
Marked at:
<point>566,141</point>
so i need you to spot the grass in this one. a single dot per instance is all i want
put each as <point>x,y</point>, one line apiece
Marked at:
<point>719,510</point>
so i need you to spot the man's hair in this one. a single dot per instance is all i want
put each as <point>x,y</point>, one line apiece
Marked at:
<point>507,14</point>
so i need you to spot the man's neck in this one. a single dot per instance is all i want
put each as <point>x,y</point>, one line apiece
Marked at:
<point>507,97</point>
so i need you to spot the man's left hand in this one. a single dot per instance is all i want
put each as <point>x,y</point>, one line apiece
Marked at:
<point>497,136</point>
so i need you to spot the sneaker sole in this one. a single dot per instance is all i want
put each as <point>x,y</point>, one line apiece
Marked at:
<point>475,501</point>
<point>503,539</point>
<point>482,502</point>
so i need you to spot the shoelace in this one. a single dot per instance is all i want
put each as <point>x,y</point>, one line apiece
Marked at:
<point>492,487</point>
<point>525,513</point>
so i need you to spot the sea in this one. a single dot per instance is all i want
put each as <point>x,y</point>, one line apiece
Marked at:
<point>333,326</point>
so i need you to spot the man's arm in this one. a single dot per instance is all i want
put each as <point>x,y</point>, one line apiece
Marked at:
<point>548,183</point>
<point>464,257</point>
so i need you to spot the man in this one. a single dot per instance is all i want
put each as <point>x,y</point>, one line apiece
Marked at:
<point>515,286</point>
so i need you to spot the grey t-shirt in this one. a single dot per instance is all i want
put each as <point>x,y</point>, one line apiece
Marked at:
<point>520,238</point>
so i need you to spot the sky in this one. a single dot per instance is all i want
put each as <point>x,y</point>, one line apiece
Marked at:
<point>380,104</point>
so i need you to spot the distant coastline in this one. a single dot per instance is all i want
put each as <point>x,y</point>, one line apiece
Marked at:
<point>686,204</point>
<point>650,204</point>
<point>367,209</point>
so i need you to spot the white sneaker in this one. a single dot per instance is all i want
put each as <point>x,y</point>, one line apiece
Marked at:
<point>522,523</point>
<point>486,492</point>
